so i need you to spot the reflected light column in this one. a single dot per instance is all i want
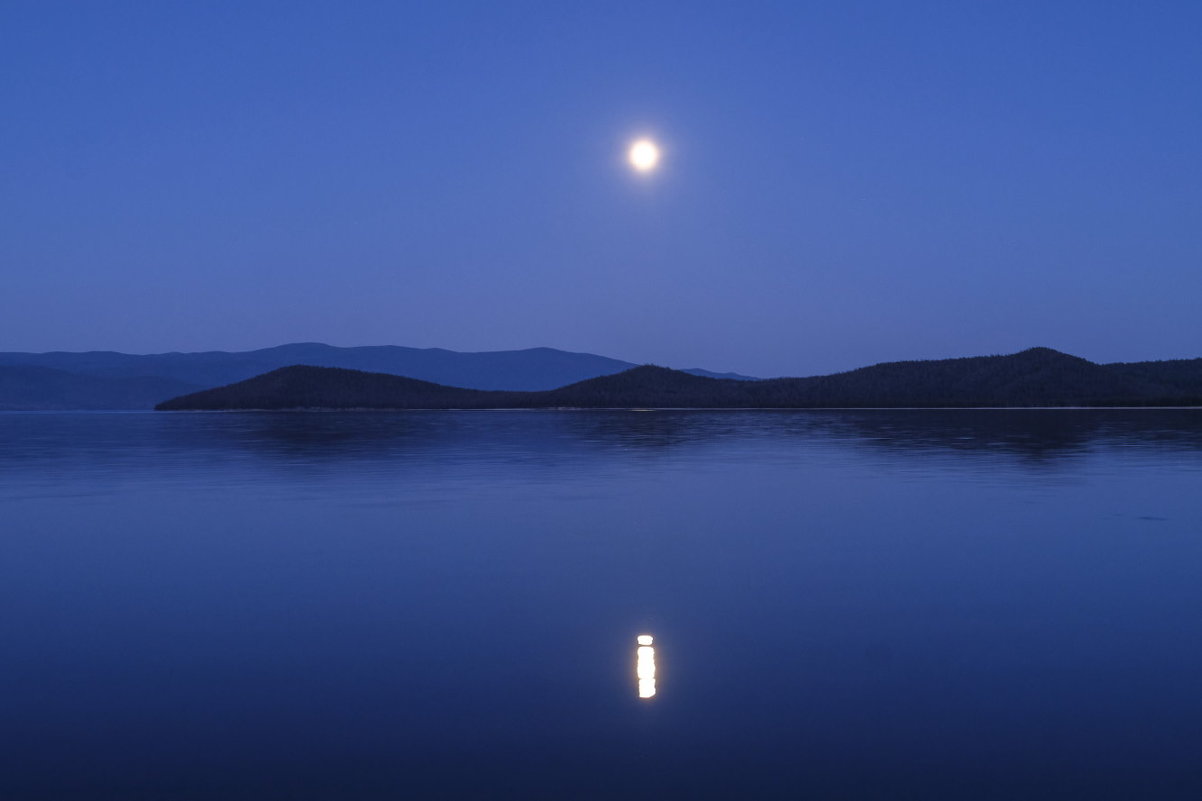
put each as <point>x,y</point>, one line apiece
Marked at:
<point>644,667</point>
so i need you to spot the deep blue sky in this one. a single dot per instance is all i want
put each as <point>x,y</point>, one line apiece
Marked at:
<point>843,183</point>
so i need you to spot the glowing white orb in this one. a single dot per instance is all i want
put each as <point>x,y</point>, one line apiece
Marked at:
<point>644,155</point>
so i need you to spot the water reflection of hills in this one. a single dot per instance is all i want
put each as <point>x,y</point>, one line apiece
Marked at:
<point>1042,434</point>
<point>1028,434</point>
<point>96,440</point>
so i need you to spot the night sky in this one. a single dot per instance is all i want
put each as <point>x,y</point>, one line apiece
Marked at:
<point>842,183</point>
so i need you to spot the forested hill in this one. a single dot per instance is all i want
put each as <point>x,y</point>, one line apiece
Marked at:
<point>1035,377</point>
<point>308,387</point>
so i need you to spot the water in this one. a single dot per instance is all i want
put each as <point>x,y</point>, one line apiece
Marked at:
<point>845,605</point>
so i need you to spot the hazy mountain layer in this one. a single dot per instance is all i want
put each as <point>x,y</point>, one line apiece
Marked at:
<point>108,380</point>
<point>26,387</point>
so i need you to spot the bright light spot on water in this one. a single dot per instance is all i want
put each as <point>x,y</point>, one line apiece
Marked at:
<point>644,668</point>
<point>646,665</point>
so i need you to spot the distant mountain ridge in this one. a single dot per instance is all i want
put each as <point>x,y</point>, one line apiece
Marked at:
<point>1034,377</point>
<point>111,380</point>
<point>43,388</point>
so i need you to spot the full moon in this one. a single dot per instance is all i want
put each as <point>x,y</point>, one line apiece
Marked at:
<point>644,155</point>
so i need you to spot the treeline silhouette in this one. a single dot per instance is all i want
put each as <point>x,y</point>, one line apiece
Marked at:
<point>1035,377</point>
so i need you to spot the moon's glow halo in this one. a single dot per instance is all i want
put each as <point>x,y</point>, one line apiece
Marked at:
<point>643,155</point>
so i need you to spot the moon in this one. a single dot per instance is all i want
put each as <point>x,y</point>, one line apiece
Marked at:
<point>643,155</point>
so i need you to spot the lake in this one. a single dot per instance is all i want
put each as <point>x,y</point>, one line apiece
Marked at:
<point>972,604</point>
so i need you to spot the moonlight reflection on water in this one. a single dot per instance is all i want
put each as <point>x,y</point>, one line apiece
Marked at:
<point>645,666</point>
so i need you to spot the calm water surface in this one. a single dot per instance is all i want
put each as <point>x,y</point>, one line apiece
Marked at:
<point>845,605</point>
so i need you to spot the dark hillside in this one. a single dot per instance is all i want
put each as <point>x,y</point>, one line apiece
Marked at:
<point>305,387</point>
<point>652,386</point>
<point>1178,376</point>
<point>1035,377</point>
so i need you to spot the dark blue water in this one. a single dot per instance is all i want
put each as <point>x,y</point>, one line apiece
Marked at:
<point>845,605</point>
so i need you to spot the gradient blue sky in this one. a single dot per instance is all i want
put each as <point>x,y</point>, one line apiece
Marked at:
<point>843,183</point>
